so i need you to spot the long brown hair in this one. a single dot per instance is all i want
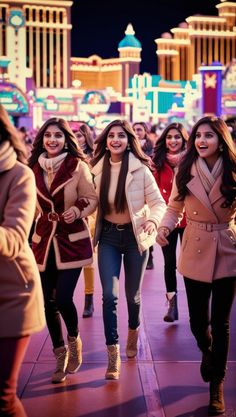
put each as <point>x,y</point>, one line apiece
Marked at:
<point>228,153</point>
<point>8,132</point>
<point>159,152</point>
<point>70,140</point>
<point>102,151</point>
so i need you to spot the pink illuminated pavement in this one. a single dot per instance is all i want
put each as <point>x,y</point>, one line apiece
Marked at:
<point>164,380</point>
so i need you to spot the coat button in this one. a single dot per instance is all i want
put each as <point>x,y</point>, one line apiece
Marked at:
<point>195,212</point>
<point>214,238</point>
<point>199,251</point>
<point>197,238</point>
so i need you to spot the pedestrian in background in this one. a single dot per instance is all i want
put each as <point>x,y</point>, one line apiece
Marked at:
<point>129,211</point>
<point>21,298</point>
<point>84,137</point>
<point>61,241</point>
<point>167,155</point>
<point>205,187</point>
<point>143,134</point>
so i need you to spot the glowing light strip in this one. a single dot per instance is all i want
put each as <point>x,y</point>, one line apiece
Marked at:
<point>166,52</point>
<point>166,41</point>
<point>52,25</point>
<point>66,3</point>
<point>213,33</point>
<point>206,19</point>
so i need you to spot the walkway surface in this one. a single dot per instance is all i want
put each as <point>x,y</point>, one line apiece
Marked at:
<point>164,380</point>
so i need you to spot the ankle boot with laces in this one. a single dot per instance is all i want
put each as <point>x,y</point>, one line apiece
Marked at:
<point>75,354</point>
<point>132,341</point>
<point>61,355</point>
<point>172,312</point>
<point>113,368</point>
<point>217,404</point>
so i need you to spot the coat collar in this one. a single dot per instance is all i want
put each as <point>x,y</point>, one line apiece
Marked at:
<point>197,189</point>
<point>63,175</point>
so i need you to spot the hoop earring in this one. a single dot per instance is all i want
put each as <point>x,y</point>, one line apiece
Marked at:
<point>66,146</point>
<point>128,147</point>
<point>221,148</point>
<point>106,148</point>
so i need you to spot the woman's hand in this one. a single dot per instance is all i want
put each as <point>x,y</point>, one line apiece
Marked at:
<point>69,215</point>
<point>162,234</point>
<point>149,227</point>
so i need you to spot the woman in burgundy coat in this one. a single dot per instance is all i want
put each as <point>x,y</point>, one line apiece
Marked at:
<point>167,154</point>
<point>205,187</point>
<point>61,241</point>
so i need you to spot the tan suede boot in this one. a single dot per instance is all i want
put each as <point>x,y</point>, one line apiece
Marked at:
<point>132,341</point>
<point>113,368</point>
<point>61,355</point>
<point>217,404</point>
<point>75,354</point>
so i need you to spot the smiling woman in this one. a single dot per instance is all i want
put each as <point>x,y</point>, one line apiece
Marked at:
<point>130,208</point>
<point>61,241</point>
<point>204,188</point>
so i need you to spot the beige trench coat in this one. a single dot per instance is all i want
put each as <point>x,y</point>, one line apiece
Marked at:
<point>21,299</point>
<point>208,249</point>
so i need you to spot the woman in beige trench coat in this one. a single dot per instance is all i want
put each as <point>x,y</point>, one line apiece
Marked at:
<point>21,299</point>
<point>205,188</point>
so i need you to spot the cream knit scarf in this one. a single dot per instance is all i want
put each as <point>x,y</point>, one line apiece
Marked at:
<point>8,156</point>
<point>208,177</point>
<point>50,166</point>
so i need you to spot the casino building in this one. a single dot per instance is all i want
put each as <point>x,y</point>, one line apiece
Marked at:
<point>39,78</point>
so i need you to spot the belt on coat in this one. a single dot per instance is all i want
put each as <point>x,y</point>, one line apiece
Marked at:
<point>53,216</point>
<point>209,227</point>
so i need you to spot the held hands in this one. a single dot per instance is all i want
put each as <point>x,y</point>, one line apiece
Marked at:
<point>149,227</point>
<point>162,234</point>
<point>69,215</point>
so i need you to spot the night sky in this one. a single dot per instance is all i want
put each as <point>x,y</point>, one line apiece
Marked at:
<point>98,25</point>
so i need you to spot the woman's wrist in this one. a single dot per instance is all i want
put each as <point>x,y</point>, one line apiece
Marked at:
<point>164,229</point>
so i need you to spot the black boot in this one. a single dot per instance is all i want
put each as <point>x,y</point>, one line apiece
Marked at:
<point>172,312</point>
<point>207,367</point>
<point>88,306</point>
<point>150,264</point>
<point>217,404</point>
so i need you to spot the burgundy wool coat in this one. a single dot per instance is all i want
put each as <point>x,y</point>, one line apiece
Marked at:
<point>71,186</point>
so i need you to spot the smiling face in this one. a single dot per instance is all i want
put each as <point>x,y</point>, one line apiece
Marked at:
<point>207,144</point>
<point>174,141</point>
<point>53,141</point>
<point>117,141</point>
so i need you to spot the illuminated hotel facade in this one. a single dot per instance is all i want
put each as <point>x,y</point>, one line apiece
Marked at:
<point>197,41</point>
<point>40,79</point>
<point>35,37</point>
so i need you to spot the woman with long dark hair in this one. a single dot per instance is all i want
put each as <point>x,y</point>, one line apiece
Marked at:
<point>167,155</point>
<point>129,210</point>
<point>205,187</point>
<point>61,241</point>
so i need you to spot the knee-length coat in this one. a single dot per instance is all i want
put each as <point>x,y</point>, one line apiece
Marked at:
<point>72,187</point>
<point>208,249</point>
<point>21,298</point>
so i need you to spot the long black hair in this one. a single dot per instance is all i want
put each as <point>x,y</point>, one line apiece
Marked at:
<point>8,132</point>
<point>228,153</point>
<point>70,140</point>
<point>102,151</point>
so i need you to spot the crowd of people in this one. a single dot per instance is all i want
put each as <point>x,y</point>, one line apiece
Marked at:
<point>118,194</point>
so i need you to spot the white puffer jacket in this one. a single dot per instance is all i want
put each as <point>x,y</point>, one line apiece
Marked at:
<point>144,200</point>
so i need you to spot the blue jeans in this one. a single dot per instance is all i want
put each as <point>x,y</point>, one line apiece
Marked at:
<point>115,243</point>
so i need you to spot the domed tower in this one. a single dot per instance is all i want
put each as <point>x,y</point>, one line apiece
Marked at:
<point>130,56</point>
